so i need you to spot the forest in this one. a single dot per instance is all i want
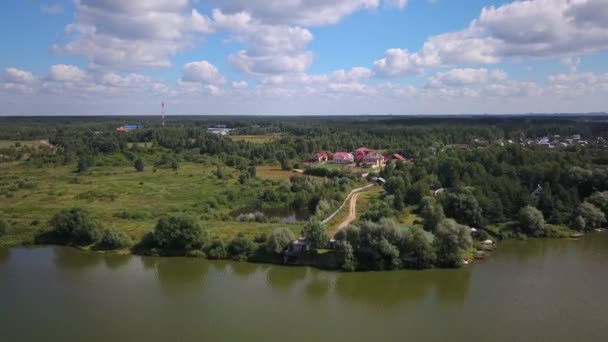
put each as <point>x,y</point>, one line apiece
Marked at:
<point>180,190</point>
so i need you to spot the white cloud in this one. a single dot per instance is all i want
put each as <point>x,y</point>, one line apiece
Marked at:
<point>527,28</point>
<point>271,49</point>
<point>132,34</point>
<point>66,73</point>
<point>399,62</point>
<point>204,72</point>
<point>354,74</point>
<point>52,9</point>
<point>239,85</point>
<point>466,76</point>
<point>396,3</point>
<point>17,76</point>
<point>300,12</point>
<point>571,62</point>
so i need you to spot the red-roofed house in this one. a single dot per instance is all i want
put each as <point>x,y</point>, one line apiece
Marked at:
<point>319,157</point>
<point>360,153</point>
<point>395,158</point>
<point>343,158</point>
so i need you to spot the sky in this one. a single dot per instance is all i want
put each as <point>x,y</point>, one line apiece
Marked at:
<point>303,57</point>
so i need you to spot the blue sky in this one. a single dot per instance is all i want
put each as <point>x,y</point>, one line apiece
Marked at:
<point>303,57</point>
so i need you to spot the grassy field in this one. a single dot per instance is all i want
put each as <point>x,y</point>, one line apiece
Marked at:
<point>11,143</point>
<point>258,139</point>
<point>274,172</point>
<point>125,199</point>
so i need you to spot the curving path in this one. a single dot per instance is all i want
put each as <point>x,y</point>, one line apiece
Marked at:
<point>352,213</point>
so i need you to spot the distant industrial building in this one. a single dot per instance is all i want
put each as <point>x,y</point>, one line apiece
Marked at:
<point>219,130</point>
<point>128,128</point>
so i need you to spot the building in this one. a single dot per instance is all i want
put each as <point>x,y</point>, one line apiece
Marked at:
<point>360,153</point>
<point>373,159</point>
<point>219,130</point>
<point>319,157</point>
<point>128,128</point>
<point>396,158</point>
<point>343,158</point>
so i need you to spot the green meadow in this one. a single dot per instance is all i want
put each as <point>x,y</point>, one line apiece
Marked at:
<point>131,201</point>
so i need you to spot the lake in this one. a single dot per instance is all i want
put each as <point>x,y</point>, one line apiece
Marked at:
<point>543,290</point>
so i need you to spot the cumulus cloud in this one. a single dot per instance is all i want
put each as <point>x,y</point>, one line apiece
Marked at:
<point>203,72</point>
<point>66,73</point>
<point>18,76</point>
<point>527,28</point>
<point>271,49</point>
<point>239,85</point>
<point>466,76</point>
<point>301,12</point>
<point>132,34</point>
<point>352,75</point>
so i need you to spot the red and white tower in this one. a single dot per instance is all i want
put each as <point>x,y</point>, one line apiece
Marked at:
<point>162,110</point>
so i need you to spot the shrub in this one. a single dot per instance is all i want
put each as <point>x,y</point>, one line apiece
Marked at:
<point>217,250</point>
<point>195,253</point>
<point>531,221</point>
<point>139,165</point>
<point>179,232</point>
<point>279,239</point>
<point>113,239</point>
<point>75,226</point>
<point>241,248</point>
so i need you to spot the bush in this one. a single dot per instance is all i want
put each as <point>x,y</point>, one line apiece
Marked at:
<point>179,232</point>
<point>113,239</point>
<point>531,221</point>
<point>139,165</point>
<point>279,239</point>
<point>195,253</point>
<point>241,248</point>
<point>75,226</point>
<point>217,250</point>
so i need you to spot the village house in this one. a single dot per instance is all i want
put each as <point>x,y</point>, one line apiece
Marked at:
<point>319,157</point>
<point>373,159</point>
<point>343,158</point>
<point>360,153</point>
<point>396,158</point>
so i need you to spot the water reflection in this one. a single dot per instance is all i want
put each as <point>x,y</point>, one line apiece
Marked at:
<point>284,278</point>
<point>116,261</point>
<point>74,260</point>
<point>386,289</point>
<point>179,276</point>
<point>318,286</point>
<point>5,255</point>
<point>244,269</point>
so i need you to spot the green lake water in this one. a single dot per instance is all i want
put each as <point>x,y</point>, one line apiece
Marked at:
<point>545,290</point>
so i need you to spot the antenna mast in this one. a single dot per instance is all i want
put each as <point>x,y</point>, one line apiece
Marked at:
<point>162,109</point>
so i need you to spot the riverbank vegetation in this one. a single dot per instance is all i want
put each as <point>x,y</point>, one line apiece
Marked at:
<point>179,190</point>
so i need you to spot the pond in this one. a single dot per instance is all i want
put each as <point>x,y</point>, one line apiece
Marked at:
<point>544,290</point>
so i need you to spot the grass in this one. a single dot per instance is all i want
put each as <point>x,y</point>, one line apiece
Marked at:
<point>29,197</point>
<point>274,172</point>
<point>11,143</point>
<point>257,139</point>
<point>408,217</point>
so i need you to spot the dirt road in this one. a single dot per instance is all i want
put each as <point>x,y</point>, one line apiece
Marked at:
<point>352,212</point>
